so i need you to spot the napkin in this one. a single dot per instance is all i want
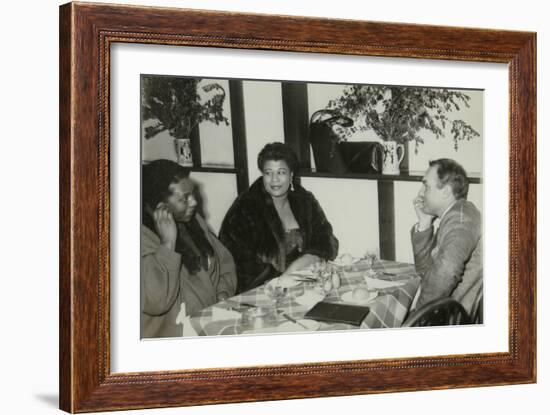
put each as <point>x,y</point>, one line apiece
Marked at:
<point>309,298</point>
<point>183,319</point>
<point>188,329</point>
<point>219,313</point>
<point>377,284</point>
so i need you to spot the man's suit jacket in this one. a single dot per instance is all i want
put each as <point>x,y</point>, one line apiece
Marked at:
<point>450,260</point>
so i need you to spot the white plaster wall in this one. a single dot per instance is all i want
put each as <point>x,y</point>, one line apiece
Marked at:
<point>469,154</point>
<point>263,112</point>
<point>161,146</point>
<point>218,190</point>
<point>351,206</point>
<point>217,140</point>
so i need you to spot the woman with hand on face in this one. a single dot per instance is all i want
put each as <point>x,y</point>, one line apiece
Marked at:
<point>276,226</point>
<point>181,260</point>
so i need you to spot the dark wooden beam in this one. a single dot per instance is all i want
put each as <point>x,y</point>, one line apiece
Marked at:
<point>296,120</point>
<point>404,166</point>
<point>195,140</point>
<point>386,219</point>
<point>238,130</point>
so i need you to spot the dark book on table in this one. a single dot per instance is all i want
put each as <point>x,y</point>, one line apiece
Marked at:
<point>338,313</point>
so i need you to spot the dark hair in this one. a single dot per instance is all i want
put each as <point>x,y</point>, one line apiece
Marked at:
<point>452,173</point>
<point>278,151</point>
<point>156,177</point>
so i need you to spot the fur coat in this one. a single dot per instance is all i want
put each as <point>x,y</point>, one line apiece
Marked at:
<point>254,234</point>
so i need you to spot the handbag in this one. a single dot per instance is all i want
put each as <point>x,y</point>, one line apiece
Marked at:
<point>362,156</point>
<point>332,155</point>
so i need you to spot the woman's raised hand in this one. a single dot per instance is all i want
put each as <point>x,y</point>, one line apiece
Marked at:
<point>165,226</point>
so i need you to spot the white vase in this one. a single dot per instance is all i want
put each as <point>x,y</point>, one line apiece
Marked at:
<point>392,158</point>
<point>183,151</point>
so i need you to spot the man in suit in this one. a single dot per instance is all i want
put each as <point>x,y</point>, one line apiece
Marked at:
<point>449,259</point>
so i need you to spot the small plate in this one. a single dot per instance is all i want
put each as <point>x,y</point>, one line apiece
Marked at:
<point>289,326</point>
<point>348,262</point>
<point>348,297</point>
<point>285,282</point>
<point>309,298</point>
<point>381,284</point>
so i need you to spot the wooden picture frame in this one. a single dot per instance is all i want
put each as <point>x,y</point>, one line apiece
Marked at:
<point>86,33</point>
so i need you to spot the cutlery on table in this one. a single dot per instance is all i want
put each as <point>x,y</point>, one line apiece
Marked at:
<point>303,278</point>
<point>294,321</point>
<point>237,305</point>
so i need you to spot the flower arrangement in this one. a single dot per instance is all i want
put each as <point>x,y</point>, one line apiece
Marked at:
<point>179,104</point>
<point>399,113</point>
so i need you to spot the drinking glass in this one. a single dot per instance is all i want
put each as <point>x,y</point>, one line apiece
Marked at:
<point>371,256</point>
<point>326,284</point>
<point>276,293</point>
<point>337,275</point>
<point>325,278</point>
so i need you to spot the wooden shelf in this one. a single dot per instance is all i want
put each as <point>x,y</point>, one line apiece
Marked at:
<point>404,177</point>
<point>214,169</point>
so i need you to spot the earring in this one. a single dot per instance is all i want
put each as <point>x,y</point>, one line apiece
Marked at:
<point>291,186</point>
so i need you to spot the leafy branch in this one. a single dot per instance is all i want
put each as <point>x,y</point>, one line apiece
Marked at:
<point>400,113</point>
<point>177,105</point>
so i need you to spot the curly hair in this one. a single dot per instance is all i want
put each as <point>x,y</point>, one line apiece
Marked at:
<point>156,178</point>
<point>278,151</point>
<point>452,173</point>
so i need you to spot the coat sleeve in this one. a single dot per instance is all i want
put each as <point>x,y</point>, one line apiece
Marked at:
<point>322,241</point>
<point>160,269</point>
<point>238,234</point>
<point>422,243</point>
<point>444,270</point>
<point>227,283</point>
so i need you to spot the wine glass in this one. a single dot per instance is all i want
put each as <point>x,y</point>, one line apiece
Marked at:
<point>326,284</point>
<point>276,293</point>
<point>371,255</point>
<point>337,278</point>
<point>326,278</point>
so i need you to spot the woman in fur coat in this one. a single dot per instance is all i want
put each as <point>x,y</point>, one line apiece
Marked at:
<point>276,226</point>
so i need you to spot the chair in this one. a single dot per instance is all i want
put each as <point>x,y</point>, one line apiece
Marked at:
<point>477,311</point>
<point>441,312</point>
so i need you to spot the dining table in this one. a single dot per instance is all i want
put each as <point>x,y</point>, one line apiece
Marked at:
<point>391,287</point>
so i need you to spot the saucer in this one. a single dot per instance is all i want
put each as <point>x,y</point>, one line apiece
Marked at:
<point>348,298</point>
<point>285,282</point>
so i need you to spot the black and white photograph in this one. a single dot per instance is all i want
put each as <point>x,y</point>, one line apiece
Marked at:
<point>275,207</point>
<point>280,206</point>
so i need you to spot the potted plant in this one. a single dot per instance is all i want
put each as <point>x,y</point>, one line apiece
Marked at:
<point>397,115</point>
<point>179,105</point>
